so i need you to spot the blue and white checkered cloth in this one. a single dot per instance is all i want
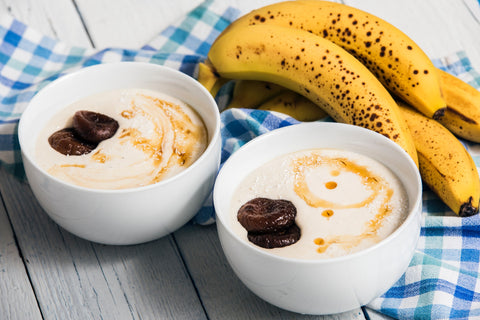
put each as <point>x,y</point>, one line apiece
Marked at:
<point>442,280</point>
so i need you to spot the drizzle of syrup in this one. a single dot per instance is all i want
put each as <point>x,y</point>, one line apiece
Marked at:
<point>379,189</point>
<point>72,166</point>
<point>99,157</point>
<point>327,213</point>
<point>185,135</point>
<point>335,173</point>
<point>302,164</point>
<point>331,185</point>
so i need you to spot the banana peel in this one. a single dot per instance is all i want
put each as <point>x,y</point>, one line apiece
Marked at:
<point>211,80</point>
<point>462,116</point>
<point>444,163</point>
<point>250,94</point>
<point>294,105</point>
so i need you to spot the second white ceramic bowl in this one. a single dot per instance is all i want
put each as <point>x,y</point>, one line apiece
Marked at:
<point>319,286</point>
<point>126,216</point>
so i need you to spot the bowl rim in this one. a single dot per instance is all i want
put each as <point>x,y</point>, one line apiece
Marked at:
<point>412,213</point>
<point>92,69</point>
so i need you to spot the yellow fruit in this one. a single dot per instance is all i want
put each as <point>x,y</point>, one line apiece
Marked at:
<point>397,61</point>
<point>209,79</point>
<point>315,68</point>
<point>462,116</point>
<point>445,165</point>
<point>250,93</point>
<point>294,105</point>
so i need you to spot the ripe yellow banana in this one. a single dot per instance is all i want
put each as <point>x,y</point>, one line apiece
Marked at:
<point>250,93</point>
<point>209,79</point>
<point>397,61</point>
<point>315,68</point>
<point>294,105</point>
<point>445,165</point>
<point>462,116</point>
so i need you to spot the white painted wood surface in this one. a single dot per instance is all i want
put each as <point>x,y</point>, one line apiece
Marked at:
<point>47,273</point>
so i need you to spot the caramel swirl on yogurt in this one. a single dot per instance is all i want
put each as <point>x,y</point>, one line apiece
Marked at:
<point>302,165</point>
<point>158,137</point>
<point>345,201</point>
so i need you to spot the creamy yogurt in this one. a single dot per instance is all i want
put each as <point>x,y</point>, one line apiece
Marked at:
<point>345,201</point>
<point>158,137</point>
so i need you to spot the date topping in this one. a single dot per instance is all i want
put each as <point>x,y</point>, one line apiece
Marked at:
<point>89,129</point>
<point>269,223</point>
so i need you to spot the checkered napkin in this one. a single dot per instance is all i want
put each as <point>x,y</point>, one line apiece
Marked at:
<point>442,279</point>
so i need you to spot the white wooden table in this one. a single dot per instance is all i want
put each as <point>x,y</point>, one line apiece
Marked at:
<point>47,273</point>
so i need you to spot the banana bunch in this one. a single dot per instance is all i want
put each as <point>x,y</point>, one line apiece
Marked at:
<point>389,54</point>
<point>351,65</point>
<point>315,68</point>
<point>445,165</point>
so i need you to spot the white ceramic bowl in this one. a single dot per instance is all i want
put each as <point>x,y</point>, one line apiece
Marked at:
<point>319,286</point>
<point>126,216</point>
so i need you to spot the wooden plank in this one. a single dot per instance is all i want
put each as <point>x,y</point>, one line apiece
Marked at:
<point>474,8</point>
<point>130,24</point>
<point>223,295</point>
<point>153,278</point>
<point>18,298</point>
<point>55,18</point>
<point>77,279</point>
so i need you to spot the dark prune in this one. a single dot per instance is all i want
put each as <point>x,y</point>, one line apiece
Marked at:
<point>66,142</point>
<point>266,215</point>
<point>270,223</point>
<point>94,127</point>
<point>276,239</point>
